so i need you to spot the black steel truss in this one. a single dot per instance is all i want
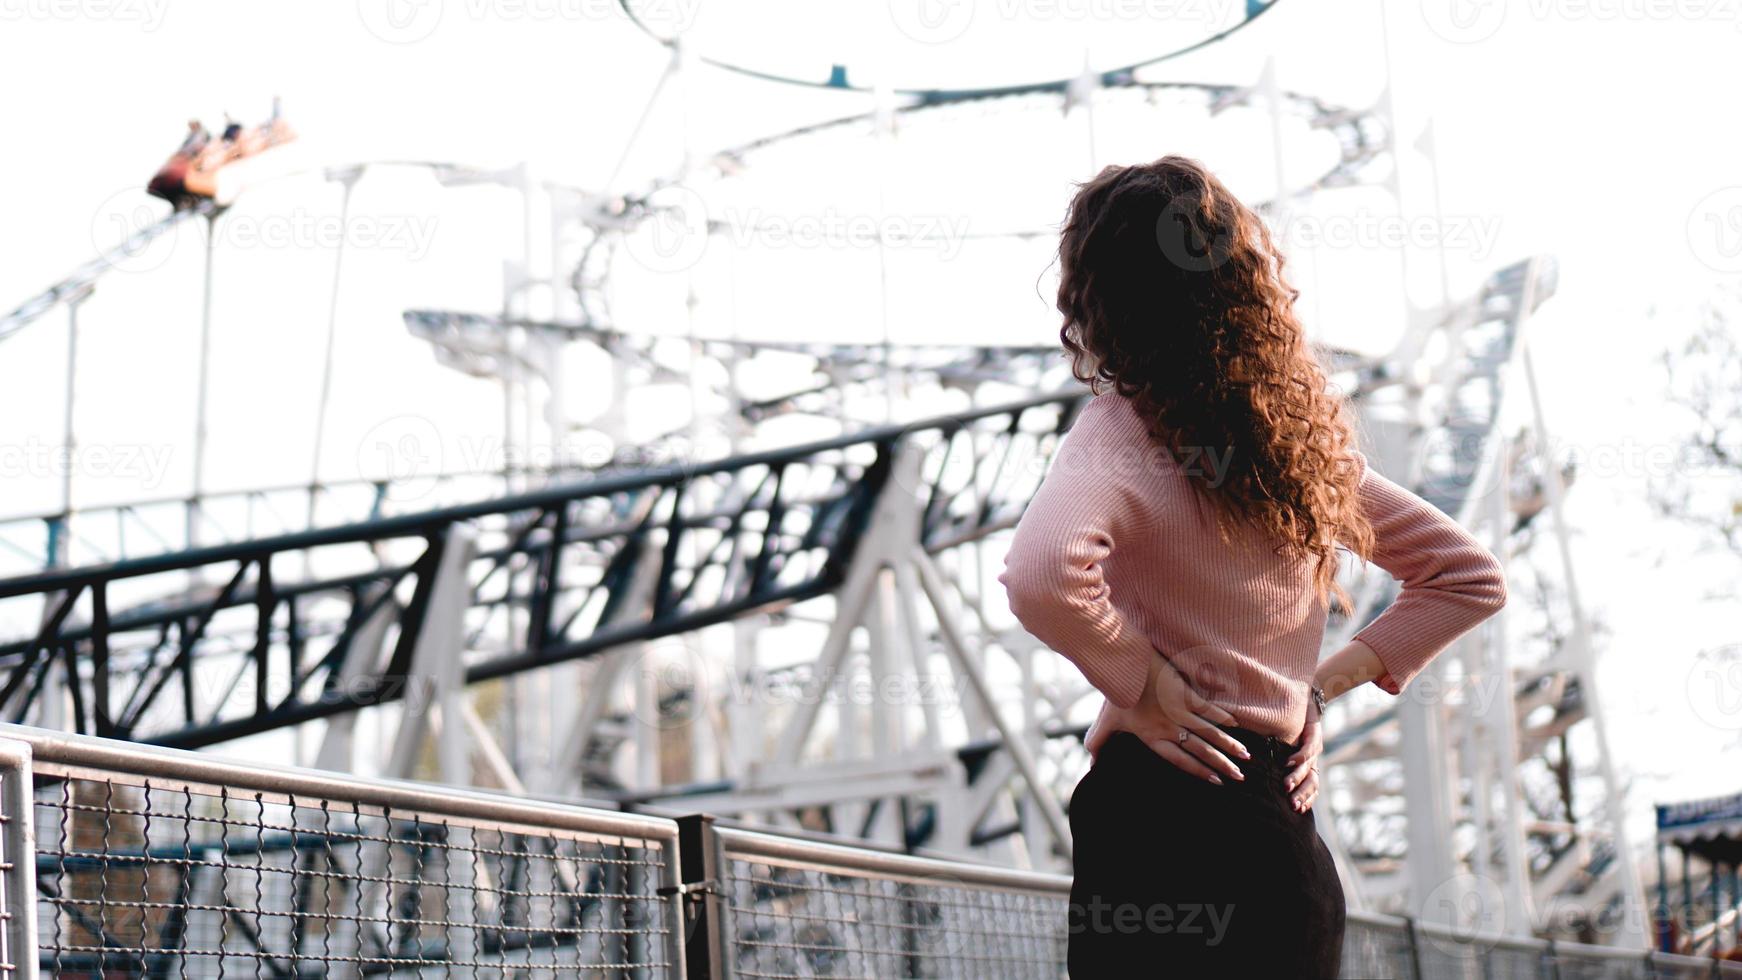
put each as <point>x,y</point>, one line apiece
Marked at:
<point>202,646</point>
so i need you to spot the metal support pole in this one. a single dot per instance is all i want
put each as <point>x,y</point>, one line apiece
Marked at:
<point>1429,146</point>
<point>1273,103</point>
<point>1632,929</point>
<point>576,731</point>
<point>435,677</point>
<point>1688,894</point>
<point>1717,909</point>
<point>347,179</point>
<point>1735,900</point>
<point>701,891</point>
<point>203,388</point>
<point>1050,811</point>
<point>1663,913</point>
<point>17,861</point>
<point>1504,713</point>
<point>1431,864</point>
<point>1414,937</point>
<point>850,604</point>
<point>363,661</point>
<point>60,542</point>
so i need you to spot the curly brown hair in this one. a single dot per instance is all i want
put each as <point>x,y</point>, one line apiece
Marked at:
<point>1173,295</point>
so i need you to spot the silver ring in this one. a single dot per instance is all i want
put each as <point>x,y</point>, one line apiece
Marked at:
<point>1183,735</point>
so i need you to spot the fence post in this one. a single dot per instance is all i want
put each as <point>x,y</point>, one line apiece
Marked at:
<point>1553,957</point>
<point>701,885</point>
<point>17,861</point>
<point>1409,933</point>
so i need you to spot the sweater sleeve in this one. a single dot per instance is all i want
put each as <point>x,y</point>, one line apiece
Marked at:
<point>1053,571</point>
<point>1449,582</point>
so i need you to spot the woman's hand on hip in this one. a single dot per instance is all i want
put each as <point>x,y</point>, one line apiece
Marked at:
<point>1177,723</point>
<point>1301,781</point>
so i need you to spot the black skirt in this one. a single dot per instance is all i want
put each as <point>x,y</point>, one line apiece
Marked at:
<point>1178,877</point>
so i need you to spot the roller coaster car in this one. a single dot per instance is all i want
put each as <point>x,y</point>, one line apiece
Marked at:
<point>191,174</point>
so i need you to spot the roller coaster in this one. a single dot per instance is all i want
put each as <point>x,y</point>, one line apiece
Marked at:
<point>687,632</point>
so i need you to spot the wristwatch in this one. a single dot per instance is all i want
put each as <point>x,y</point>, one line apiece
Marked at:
<point>1318,694</point>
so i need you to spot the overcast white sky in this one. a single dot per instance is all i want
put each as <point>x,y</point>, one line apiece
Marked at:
<point>1587,130</point>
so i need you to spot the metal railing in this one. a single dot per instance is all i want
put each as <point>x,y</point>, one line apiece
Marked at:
<point>780,906</point>
<point>122,860</point>
<point>17,857</point>
<point>157,863</point>
<point>1390,946</point>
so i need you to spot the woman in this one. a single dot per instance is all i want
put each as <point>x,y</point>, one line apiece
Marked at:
<point>1182,553</point>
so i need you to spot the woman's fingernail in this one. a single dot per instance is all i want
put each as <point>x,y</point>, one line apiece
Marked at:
<point>1215,779</point>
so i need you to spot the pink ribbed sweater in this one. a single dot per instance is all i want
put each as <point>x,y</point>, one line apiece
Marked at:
<point>1117,557</point>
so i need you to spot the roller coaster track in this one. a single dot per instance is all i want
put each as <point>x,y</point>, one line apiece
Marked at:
<point>86,276</point>
<point>719,540</point>
<point>1362,137</point>
<point>137,664</point>
<point>527,530</point>
<point>89,274</point>
<point>198,647</point>
<point>473,342</point>
<point>1482,337</point>
<point>140,528</point>
<point>839,75</point>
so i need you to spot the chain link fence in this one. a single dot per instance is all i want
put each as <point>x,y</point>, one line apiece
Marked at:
<point>794,908</point>
<point>149,863</point>
<point>118,861</point>
<point>1388,946</point>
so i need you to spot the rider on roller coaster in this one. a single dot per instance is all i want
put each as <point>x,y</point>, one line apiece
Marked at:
<point>191,173</point>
